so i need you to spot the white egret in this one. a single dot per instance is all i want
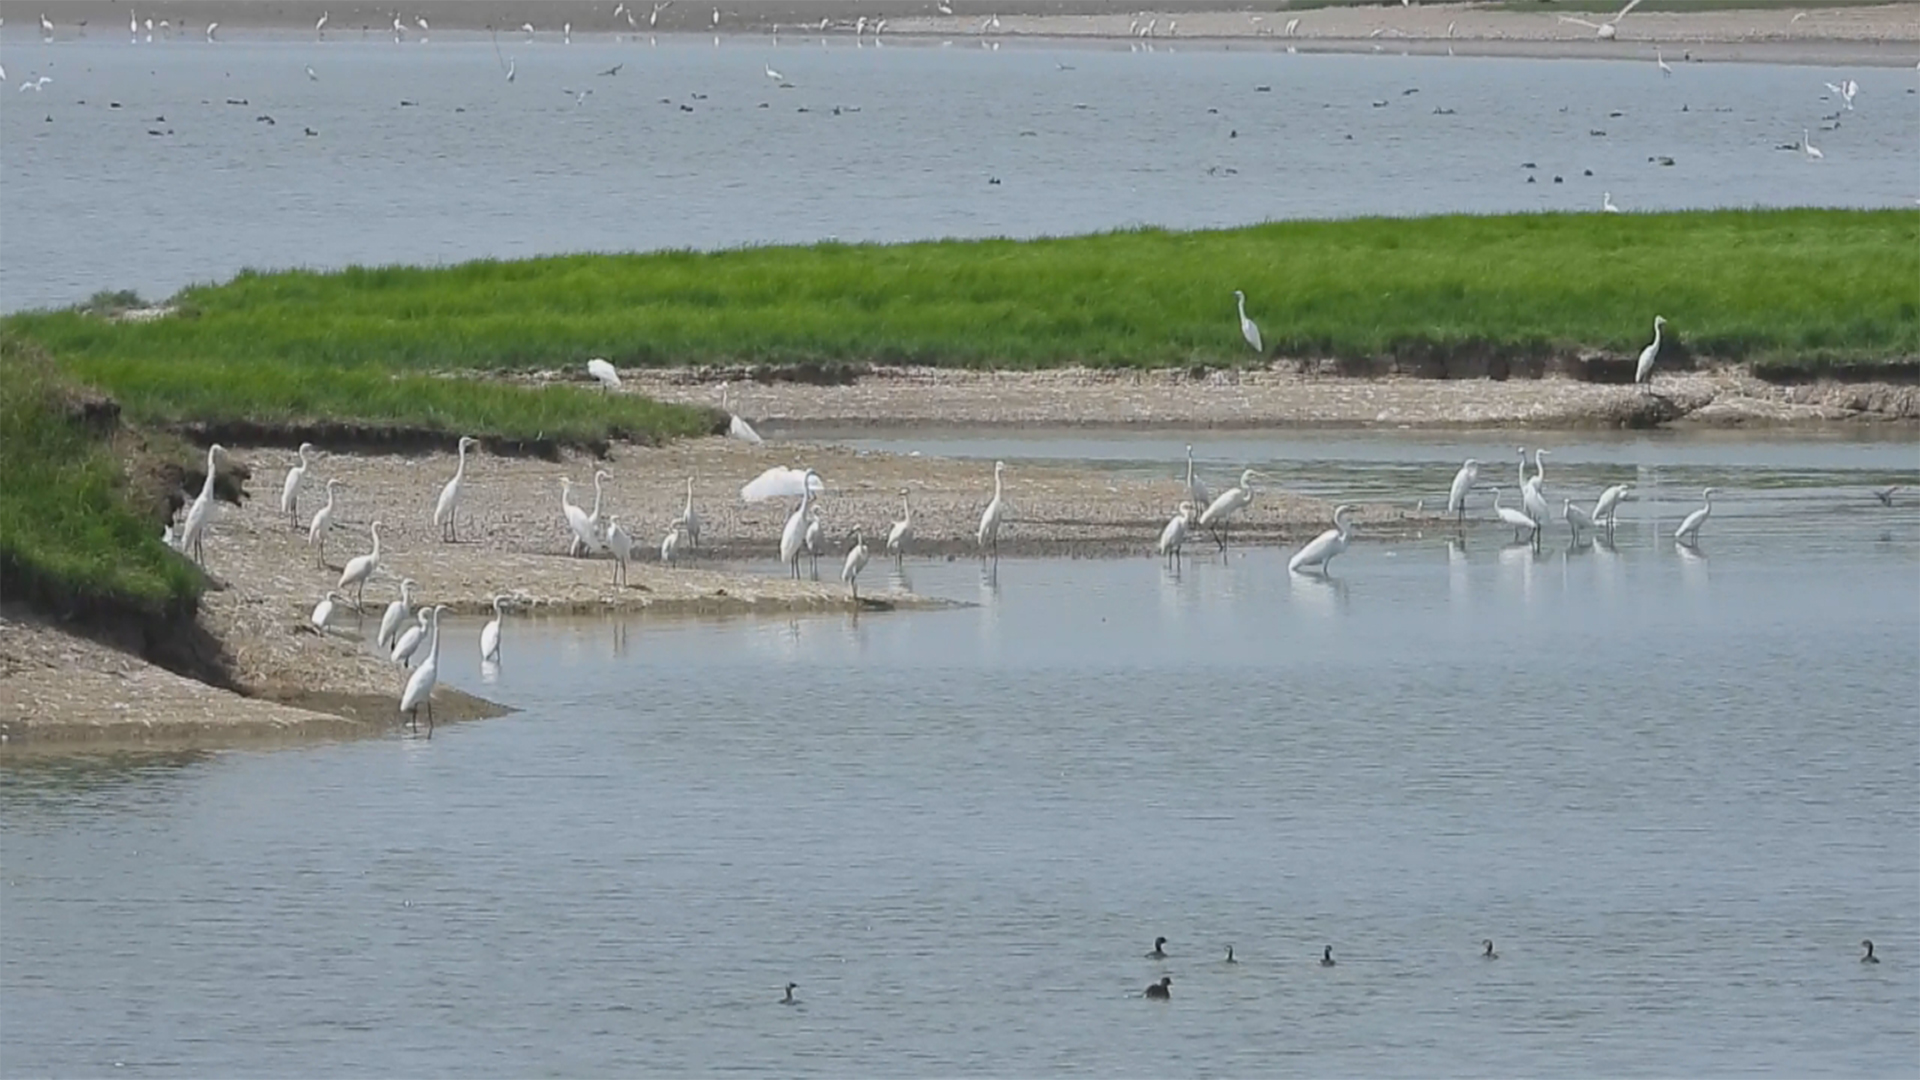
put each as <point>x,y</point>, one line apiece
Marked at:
<point>856,562</point>
<point>323,610</point>
<point>1196,489</point>
<point>361,567</point>
<point>1292,25</point>
<point>774,75</point>
<point>46,26</point>
<point>901,533</point>
<point>1689,531</point>
<point>1174,536</point>
<point>396,614</point>
<point>1608,504</point>
<point>490,635</point>
<point>1643,371</point>
<point>1248,329</point>
<point>201,512</point>
<point>781,482</point>
<point>566,33</point>
<point>1322,549</point>
<point>1605,31</point>
<point>290,492</point>
<point>816,542</point>
<point>450,495</point>
<point>1606,203</point>
<point>1463,481</point>
<point>320,26</point>
<point>321,525</point>
<point>419,690</point>
<point>988,535</point>
<point>670,544</point>
<point>211,27</point>
<point>716,16</point>
<point>621,545</point>
<point>421,22</point>
<point>690,519</point>
<point>409,640</point>
<point>1219,513</point>
<point>1513,517</point>
<point>1806,144</point>
<point>311,76</point>
<point>576,518</point>
<point>1847,91</point>
<point>133,26</point>
<point>604,372</point>
<point>792,536</point>
<point>600,476</point>
<point>1576,518</point>
<point>510,64</point>
<point>736,427</point>
<point>1531,495</point>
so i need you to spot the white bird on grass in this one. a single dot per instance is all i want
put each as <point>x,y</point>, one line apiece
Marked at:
<point>490,635</point>
<point>1689,531</point>
<point>1608,504</point>
<point>856,562</point>
<point>1606,203</point>
<point>988,536</point>
<point>793,536</point>
<point>604,372</point>
<point>689,520</point>
<point>360,568</point>
<point>409,640</point>
<point>1322,549</point>
<point>901,533</point>
<point>1576,518</point>
<point>323,610</point>
<point>290,491</point>
<point>396,614</point>
<point>1196,489</point>
<point>321,525</point>
<point>1248,328</point>
<point>1463,482</point>
<point>1515,518</point>
<point>450,495</point>
<point>1218,515</point>
<point>200,513</point>
<point>1643,370</point>
<point>1806,145</point>
<point>621,545</point>
<point>1605,31</point>
<point>1174,536</point>
<point>736,427</point>
<point>419,690</point>
<point>670,544</point>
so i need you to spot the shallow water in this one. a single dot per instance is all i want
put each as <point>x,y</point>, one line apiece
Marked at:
<point>478,167</point>
<point>1676,789</point>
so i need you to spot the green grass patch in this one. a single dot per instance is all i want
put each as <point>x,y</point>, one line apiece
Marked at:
<point>1831,286</point>
<point>70,536</point>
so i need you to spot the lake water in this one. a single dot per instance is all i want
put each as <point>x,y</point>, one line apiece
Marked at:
<point>1675,788</point>
<point>426,154</point>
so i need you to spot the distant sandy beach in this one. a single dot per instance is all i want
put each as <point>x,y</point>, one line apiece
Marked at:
<point>1882,34</point>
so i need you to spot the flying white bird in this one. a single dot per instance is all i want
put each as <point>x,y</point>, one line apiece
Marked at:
<point>1689,531</point>
<point>988,535</point>
<point>321,525</point>
<point>490,635</point>
<point>1248,329</point>
<point>1463,481</point>
<point>781,482</point>
<point>1605,31</point>
<point>290,491</point>
<point>1322,549</point>
<point>1218,515</point>
<point>360,568</point>
<point>1643,370</point>
<point>450,495</point>
<point>856,562</point>
<point>604,371</point>
<point>1174,536</point>
<point>36,84</point>
<point>1606,203</point>
<point>396,613</point>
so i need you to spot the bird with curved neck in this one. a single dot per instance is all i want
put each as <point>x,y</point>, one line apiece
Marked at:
<point>1328,544</point>
<point>856,562</point>
<point>1174,536</point>
<point>359,569</point>
<point>419,691</point>
<point>490,635</point>
<point>1643,369</point>
<point>450,495</point>
<point>1463,482</point>
<point>395,614</point>
<point>1689,531</point>
<point>290,492</point>
<point>901,533</point>
<point>577,522</point>
<point>1249,330</point>
<point>1218,516</point>
<point>201,512</point>
<point>988,535</point>
<point>793,536</point>
<point>321,525</point>
<point>689,519</point>
<point>590,542</point>
<point>1196,489</point>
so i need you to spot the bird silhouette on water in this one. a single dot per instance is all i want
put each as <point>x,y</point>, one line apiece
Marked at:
<point>1159,949</point>
<point>1326,957</point>
<point>790,999</point>
<point>1161,991</point>
<point>1869,958</point>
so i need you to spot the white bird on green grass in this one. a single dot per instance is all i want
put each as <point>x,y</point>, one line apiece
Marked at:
<point>856,562</point>
<point>490,635</point>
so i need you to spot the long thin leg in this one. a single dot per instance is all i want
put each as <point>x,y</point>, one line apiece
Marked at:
<point>429,704</point>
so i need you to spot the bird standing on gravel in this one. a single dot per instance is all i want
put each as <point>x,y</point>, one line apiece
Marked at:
<point>321,525</point>
<point>450,495</point>
<point>290,493</point>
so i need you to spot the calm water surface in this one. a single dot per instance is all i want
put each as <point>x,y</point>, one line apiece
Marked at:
<point>1676,790</point>
<point>426,154</point>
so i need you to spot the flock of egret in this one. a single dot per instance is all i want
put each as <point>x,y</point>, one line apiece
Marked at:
<point>1530,518</point>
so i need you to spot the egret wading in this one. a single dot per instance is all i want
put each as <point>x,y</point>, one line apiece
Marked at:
<point>856,562</point>
<point>490,635</point>
<point>793,536</point>
<point>1463,482</point>
<point>1174,536</point>
<point>395,615</point>
<point>901,533</point>
<point>1519,521</point>
<point>419,691</point>
<point>988,536</point>
<point>1321,551</point>
<point>1689,531</point>
<point>1605,507</point>
<point>408,643</point>
<point>1196,490</point>
<point>1218,516</point>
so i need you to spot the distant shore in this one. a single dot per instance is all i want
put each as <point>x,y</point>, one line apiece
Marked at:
<point>1875,34</point>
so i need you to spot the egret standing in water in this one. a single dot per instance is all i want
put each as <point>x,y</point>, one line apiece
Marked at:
<point>793,536</point>
<point>408,643</point>
<point>1531,495</point>
<point>1608,504</point>
<point>988,536</point>
<point>901,534</point>
<point>290,492</point>
<point>1463,482</point>
<point>1643,371</point>
<point>490,635</point>
<point>1605,31</point>
<point>396,613</point>
<point>1689,531</point>
<point>621,545</point>
<point>856,562</point>
<point>1218,515</point>
<point>1806,144</point>
<point>1196,490</point>
<point>1174,536</point>
<point>1321,551</point>
<point>1248,328</point>
<point>321,525</point>
<point>419,689</point>
<point>1513,517</point>
<point>450,495</point>
<point>1576,518</point>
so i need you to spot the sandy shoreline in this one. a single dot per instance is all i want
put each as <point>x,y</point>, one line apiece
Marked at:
<point>1883,34</point>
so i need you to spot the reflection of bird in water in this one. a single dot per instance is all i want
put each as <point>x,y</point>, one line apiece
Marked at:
<point>1886,497</point>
